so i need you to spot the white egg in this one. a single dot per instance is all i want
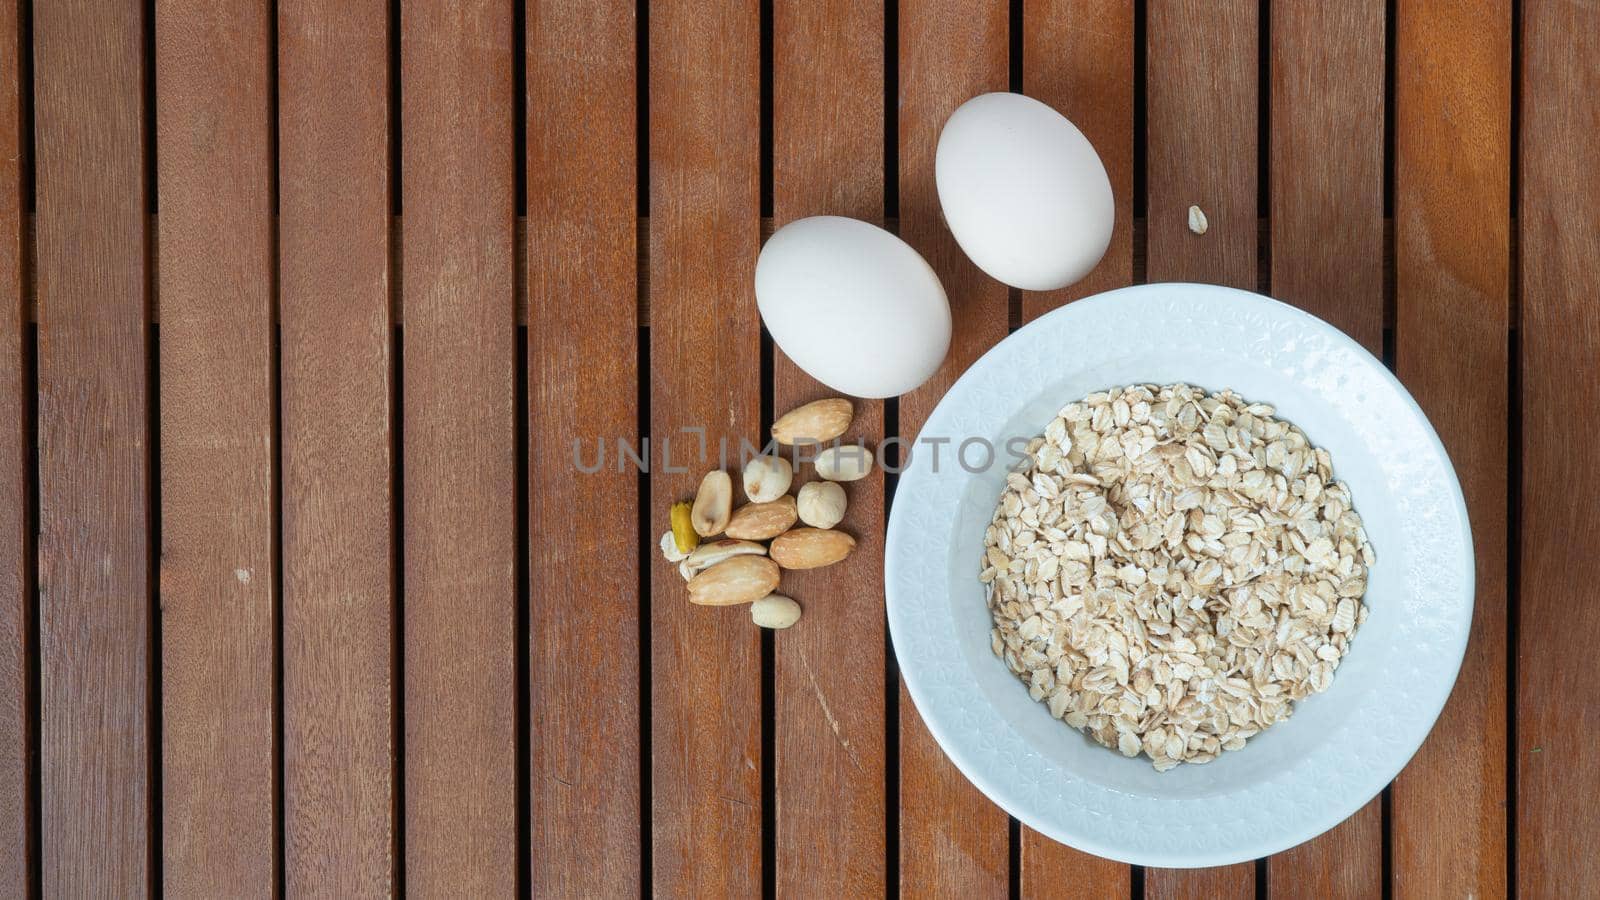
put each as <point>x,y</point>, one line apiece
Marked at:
<point>852,305</point>
<point>1023,191</point>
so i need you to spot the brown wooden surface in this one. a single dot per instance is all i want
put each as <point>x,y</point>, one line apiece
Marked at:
<point>953,841</point>
<point>458,168</point>
<point>338,376</point>
<point>16,532</point>
<point>583,383</point>
<point>94,450</point>
<point>827,159</point>
<point>218,536</point>
<point>16,551</point>
<point>1452,258</point>
<point>1325,165</point>
<point>1201,128</point>
<point>1200,120</point>
<point>705,692</point>
<point>336,379</point>
<point>1557,764</point>
<point>1078,57</point>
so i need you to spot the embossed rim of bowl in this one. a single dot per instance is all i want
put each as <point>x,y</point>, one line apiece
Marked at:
<point>1263,800</point>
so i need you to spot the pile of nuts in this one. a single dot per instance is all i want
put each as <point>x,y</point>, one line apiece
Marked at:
<point>759,539</point>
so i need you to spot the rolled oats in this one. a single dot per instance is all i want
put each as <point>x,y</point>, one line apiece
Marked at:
<point>1169,570</point>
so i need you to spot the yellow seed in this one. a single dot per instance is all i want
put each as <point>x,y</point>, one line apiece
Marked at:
<point>683,533</point>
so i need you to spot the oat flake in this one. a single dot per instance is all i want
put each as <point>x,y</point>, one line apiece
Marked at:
<point>1170,571</point>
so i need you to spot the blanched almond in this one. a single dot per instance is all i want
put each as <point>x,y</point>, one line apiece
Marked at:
<point>712,504</point>
<point>742,579</point>
<point>811,548</point>
<point>762,521</point>
<point>818,422</point>
<point>847,462</point>
<point>775,611</point>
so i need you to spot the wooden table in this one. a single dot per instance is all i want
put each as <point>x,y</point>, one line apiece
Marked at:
<point>305,301</point>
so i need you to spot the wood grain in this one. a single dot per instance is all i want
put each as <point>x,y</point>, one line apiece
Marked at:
<point>1557,762</point>
<point>1326,164</point>
<point>458,171</point>
<point>953,841</point>
<point>1077,56</point>
<point>1220,883</point>
<point>1452,259</point>
<point>705,363</point>
<point>339,595</point>
<point>827,111</point>
<point>218,563</point>
<point>16,532</point>
<point>583,384</point>
<point>1201,89</point>
<point>1326,211</point>
<point>214,165</point>
<point>94,451</point>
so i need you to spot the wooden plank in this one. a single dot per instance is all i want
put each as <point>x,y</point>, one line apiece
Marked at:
<point>1201,90</point>
<point>94,452</point>
<point>1326,213</point>
<point>1220,883</point>
<point>458,171</point>
<point>1452,259</point>
<point>828,74</point>
<point>583,384</point>
<point>705,692</point>
<point>1557,762</point>
<point>16,532</point>
<point>1078,57</point>
<point>213,121</point>
<point>338,516</point>
<point>1326,163</point>
<point>953,841</point>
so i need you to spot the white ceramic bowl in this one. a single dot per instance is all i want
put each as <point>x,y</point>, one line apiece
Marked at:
<point>1298,778</point>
